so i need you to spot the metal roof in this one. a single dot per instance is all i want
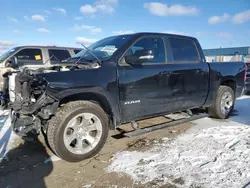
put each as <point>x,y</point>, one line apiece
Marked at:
<point>56,47</point>
<point>227,51</point>
<point>155,33</point>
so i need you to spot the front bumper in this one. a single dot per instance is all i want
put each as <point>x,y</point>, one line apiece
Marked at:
<point>31,109</point>
<point>22,125</point>
<point>26,120</point>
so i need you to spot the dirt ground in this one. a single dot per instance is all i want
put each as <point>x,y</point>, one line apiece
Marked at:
<point>31,165</point>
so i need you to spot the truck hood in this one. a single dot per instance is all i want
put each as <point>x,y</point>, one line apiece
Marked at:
<point>77,77</point>
<point>56,80</point>
<point>63,76</point>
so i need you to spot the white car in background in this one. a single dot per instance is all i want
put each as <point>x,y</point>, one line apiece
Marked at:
<point>32,57</point>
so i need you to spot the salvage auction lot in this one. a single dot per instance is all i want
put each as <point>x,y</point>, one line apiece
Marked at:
<point>203,153</point>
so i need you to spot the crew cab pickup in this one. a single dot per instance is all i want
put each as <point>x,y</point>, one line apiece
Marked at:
<point>117,80</point>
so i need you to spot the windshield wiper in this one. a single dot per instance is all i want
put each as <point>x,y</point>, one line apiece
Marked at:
<point>98,60</point>
<point>75,60</point>
<point>51,58</point>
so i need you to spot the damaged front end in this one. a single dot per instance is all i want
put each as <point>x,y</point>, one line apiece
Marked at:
<point>30,102</point>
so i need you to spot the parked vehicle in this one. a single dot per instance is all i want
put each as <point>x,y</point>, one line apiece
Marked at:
<point>32,57</point>
<point>117,80</point>
<point>248,78</point>
<point>35,57</point>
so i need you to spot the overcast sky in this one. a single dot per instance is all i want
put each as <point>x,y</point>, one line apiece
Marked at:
<point>216,23</point>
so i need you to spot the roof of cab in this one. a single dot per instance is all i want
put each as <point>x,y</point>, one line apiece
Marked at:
<point>160,34</point>
<point>54,47</point>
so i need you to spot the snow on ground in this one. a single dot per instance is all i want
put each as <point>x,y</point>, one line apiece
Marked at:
<point>214,153</point>
<point>7,137</point>
<point>242,111</point>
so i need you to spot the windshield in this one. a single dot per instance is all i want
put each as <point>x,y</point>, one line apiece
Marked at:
<point>7,54</point>
<point>104,48</point>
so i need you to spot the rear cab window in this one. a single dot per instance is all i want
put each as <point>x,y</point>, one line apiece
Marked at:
<point>29,56</point>
<point>56,55</point>
<point>184,50</point>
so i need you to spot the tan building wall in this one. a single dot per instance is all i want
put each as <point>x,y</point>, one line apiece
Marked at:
<point>223,58</point>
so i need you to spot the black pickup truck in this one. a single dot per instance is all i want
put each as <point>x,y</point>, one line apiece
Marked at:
<point>116,80</point>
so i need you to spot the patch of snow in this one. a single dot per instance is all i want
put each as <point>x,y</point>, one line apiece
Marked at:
<point>53,158</point>
<point>213,157</point>
<point>3,117</point>
<point>87,186</point>
<point>7,137</point>
<point>241,113</point>
<point>215,153</point>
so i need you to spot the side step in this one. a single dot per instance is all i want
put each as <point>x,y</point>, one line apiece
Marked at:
<point>164,125</point>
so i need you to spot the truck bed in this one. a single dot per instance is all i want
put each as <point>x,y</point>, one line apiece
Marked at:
<point>233,71</point>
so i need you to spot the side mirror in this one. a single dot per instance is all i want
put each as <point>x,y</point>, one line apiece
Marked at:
<point>140,56</point>
<point>12,62</point>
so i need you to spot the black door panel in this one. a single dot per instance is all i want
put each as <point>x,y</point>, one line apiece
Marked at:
<point>190,75</point>
<point>189,83</point>
<point>143,91</point>
<point>166,87</point>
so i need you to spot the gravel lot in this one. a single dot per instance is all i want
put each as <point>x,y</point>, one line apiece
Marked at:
<point>202,153</point>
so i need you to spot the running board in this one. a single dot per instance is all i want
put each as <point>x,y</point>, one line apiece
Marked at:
<point>164,125</point>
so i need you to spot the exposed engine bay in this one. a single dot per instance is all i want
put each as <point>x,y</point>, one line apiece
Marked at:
<point>30,99</point>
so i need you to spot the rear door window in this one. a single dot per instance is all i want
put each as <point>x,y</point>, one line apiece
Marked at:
<point>56,56</point>
<point>183,50</point>
<point>29,57</point>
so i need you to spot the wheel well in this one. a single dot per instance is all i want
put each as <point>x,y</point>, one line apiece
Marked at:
<point>230,83</point>
<point>93,97</point>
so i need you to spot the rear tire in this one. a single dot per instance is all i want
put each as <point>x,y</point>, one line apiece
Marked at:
<point>77,121</point>
<point>223,104</point>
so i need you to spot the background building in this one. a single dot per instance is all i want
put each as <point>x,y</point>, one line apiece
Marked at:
<point>227,54</point>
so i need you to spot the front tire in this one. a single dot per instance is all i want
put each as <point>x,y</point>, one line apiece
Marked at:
<point>78,131</point>
<point>223,104</point>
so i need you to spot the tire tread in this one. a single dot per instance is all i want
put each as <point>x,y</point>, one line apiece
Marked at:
<point>57,118</point>
<point>214,110</point>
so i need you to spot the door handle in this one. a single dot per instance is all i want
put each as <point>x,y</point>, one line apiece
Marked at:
<point>165,73</point>
<point>197,71</point>
<point>175,73</point>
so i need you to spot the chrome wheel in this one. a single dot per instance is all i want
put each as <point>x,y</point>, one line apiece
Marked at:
<point>82,133</point>
<point>227,103</point>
